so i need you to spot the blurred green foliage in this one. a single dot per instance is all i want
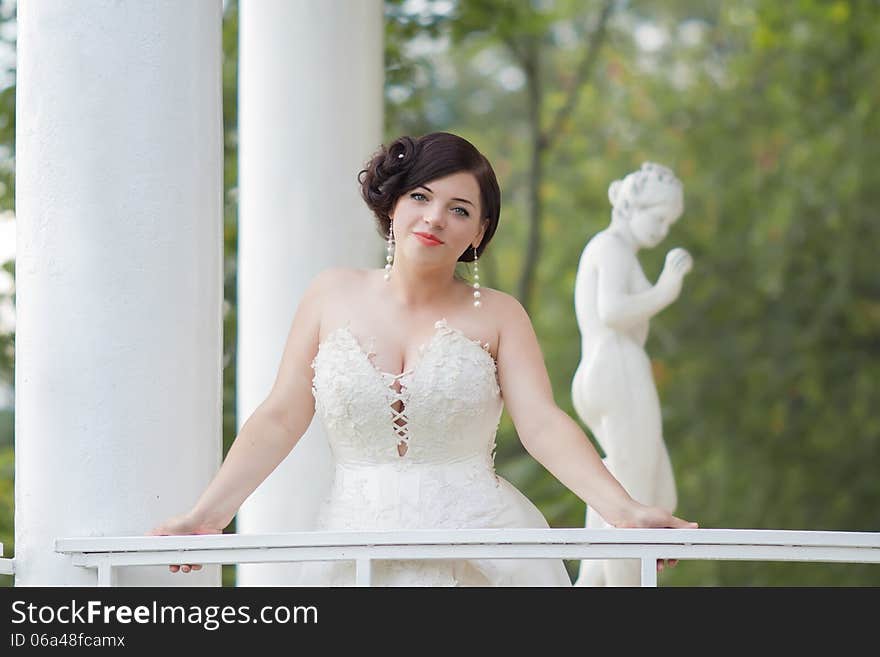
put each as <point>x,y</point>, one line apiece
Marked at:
<point>7,339</point>
<point>767,366</point>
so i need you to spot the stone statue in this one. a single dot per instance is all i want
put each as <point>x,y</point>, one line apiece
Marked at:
<point>613,388</point>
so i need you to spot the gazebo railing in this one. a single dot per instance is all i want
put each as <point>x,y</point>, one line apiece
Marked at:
<point>107,554</point>
<point>7,566</point>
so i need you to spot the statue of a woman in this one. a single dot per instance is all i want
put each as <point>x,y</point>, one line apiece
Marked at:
<point>613,388</point>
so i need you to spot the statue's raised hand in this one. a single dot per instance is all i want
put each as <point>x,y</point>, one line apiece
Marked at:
<point>678,263</point>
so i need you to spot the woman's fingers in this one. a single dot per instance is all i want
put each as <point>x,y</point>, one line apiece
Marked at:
<point>666,563</point>
<point>679,523</point>
<point>180,526</point>
<point>184,568</point>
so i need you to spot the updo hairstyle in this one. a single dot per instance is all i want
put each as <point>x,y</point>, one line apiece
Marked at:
<point>408,162</point>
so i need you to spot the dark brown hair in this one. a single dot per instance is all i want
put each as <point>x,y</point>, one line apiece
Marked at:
<point>408,162</point>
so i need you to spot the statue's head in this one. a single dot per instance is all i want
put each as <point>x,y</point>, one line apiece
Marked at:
<point>648,202</point>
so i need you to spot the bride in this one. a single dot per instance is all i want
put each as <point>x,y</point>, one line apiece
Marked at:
<point>408,369</point>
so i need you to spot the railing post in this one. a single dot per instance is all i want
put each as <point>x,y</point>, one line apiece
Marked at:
<point>649,571</point>
<point>363,572</point>
<point>106,573</point>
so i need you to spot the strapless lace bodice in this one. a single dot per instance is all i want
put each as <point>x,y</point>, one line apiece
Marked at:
<point>451,403</point>
<point>415,450</point>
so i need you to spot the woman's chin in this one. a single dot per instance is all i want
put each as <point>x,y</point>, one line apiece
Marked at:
<point>427,254</point>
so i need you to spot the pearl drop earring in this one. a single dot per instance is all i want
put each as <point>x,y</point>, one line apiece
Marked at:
<point>477,303</point>
<point>389,258</point>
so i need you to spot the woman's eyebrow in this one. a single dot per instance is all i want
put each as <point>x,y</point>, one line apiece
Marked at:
<point>463,200</point>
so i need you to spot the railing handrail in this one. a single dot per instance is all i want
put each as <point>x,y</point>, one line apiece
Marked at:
<point>558,536</point>
<point>363,547</point>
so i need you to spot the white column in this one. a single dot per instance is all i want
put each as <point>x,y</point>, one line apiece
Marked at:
<point>119,274</point>
<point>310,115</point>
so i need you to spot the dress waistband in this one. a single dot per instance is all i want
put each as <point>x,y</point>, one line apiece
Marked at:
<point>405,463</point>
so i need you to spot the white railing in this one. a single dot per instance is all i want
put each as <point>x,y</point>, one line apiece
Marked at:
<point>106,554</point>
<point>7,566</point>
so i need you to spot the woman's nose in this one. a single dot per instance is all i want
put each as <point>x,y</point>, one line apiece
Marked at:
<point>431,218</point>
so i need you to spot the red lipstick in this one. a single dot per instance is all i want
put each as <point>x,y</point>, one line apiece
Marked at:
<point>427,238</point>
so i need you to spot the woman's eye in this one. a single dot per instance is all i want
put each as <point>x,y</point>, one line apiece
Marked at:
<point>418,196</point>
<point>461,212</point>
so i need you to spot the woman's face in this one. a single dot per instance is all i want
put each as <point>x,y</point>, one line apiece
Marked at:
<point>649,225</point>
<point>439,220</point>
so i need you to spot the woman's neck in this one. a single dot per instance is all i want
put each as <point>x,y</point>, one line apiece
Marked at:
<point>418,287</point>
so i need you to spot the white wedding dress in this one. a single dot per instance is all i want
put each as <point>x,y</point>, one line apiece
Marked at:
<point>445,478</point>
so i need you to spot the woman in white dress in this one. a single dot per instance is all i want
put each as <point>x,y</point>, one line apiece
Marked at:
<point>407,369</point>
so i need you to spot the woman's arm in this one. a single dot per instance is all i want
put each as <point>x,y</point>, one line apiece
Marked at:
<point>273,429</point>
<point>619,309</point>
<point>551,436</point>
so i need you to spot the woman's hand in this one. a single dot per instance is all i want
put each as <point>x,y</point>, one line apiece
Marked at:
<point>183,525</point>
<point>653,517</point>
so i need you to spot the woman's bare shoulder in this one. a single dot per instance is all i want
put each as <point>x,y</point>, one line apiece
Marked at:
<point>500,304</point>
<point>501,307</point>
<point>329,285</point>
<point>341,291</point>
<point>339,276</point>
<point>508,317</point>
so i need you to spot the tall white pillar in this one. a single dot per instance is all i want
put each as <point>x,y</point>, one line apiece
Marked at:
<point>310,115</point>
<point>119,275</point>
